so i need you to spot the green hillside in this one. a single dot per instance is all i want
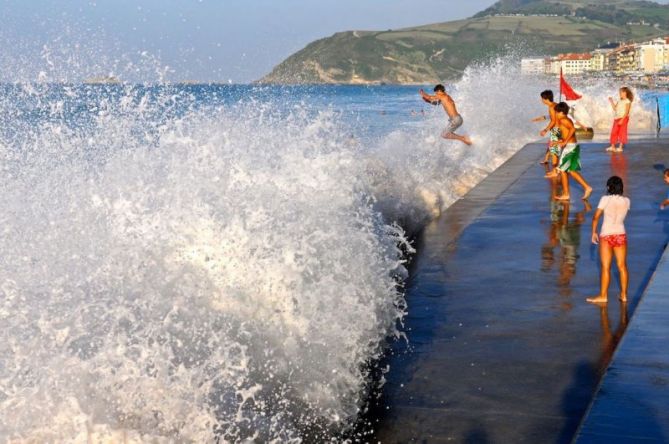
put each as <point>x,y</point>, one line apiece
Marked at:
<point>442,51</point>
<point>619,12</point>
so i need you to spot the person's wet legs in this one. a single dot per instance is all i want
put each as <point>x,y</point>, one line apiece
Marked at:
<point>452,136</point>
<point>564,179</point>
<point>621,261</point>
<point>605,257</point>
<point>578,178</point>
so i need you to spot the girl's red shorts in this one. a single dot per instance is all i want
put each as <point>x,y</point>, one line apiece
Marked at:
<point>615,240</point>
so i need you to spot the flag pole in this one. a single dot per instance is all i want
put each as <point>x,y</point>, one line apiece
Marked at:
<point>560,84</point>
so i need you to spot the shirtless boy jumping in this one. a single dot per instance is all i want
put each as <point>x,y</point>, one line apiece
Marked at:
<point>454,118</point>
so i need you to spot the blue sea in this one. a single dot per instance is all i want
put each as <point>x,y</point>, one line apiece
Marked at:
<point>224,262</point>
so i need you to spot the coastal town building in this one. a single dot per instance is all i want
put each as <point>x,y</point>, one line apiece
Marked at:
<point>612,60</point>
<point>653,56</point>
<point>532,66</point>
<point>570,64</point>
<point>645,58</point>
<point>600,59</point>
<point>551,66</point>
<point>624,59</point>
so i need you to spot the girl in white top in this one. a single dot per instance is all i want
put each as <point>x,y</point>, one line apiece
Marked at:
<point>612,238</point>
<point>622,117</point>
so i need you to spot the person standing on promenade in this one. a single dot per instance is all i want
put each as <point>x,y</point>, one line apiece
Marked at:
<point>570,154</point>
<point>612,238</point>
<point>622,117</point>
<point>665,202</point>
<point>454,118</point>
<point>552,152</point>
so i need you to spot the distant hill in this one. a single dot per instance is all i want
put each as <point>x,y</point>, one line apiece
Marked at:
<point>618,12</point>
<point>442,51</point>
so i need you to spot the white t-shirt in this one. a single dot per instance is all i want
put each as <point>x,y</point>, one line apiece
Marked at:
<point>615,209</point>
<point>621,108</point>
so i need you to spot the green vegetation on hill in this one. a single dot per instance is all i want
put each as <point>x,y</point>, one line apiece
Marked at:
<point>618,12</point>
<point>442,51</point>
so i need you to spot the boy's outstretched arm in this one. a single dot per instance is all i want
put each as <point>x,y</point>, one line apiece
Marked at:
<point>432,100</point>
<point>551,124</point>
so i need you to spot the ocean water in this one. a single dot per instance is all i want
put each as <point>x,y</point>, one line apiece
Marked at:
<point>200,263</point>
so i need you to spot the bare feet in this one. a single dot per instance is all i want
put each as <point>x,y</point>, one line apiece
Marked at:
<point>623,298</point>
<point>611,148</point>
<point>543,162</point>
<point>563,197</point>
<point>588,192</point>
<point>599,299</point>
<point>452,136</point>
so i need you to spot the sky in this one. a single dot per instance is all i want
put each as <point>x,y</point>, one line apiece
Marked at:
<point>199,40</point>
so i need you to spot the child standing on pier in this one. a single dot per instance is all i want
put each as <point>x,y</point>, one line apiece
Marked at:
<point>570,154</point>
<point>622,117</point>
<point>612,238</point>
<point>552,152</point>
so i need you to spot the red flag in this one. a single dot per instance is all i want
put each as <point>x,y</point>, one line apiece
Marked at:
<point>567,90</point>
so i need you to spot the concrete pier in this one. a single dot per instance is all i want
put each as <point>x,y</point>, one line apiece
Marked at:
<point>632,403</point>
<point>502,346</point>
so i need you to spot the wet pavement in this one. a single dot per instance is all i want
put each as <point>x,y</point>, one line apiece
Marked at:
<point>502,346</point>
<point>632,403</point>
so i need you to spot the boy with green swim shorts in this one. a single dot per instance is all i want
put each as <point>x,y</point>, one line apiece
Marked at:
<point>570,153</point>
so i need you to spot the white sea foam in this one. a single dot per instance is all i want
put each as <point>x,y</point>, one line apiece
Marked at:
<point>426,174</point>
<point>223,273</point>
<point>218,280</point>
<point>594,109</point>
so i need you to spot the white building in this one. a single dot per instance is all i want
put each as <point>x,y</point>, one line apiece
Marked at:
<point>652,56</point>
<point>552,66</point>
<point>575,63</point>
<point>600,59</point>
<point>571,64</point>
<point>532,66</point>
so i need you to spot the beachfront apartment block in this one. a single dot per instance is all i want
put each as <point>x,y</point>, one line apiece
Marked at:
<point>532,66</point>
<point>648,57</point>
<point>653,56</point>
<point>624,59</point>
<point>570,64</point>
<point>600,59</point>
